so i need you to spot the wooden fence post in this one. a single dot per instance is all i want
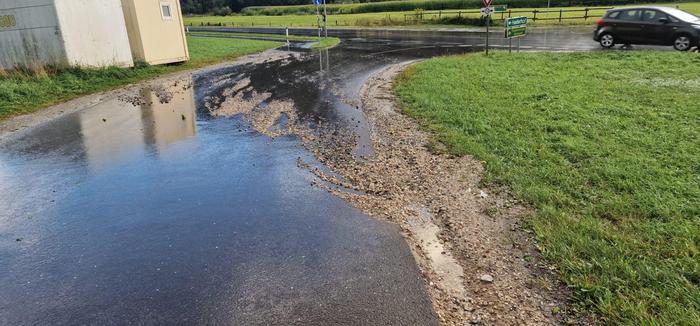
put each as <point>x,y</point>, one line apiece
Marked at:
<point>585,16</point>
<point>509,12</point>
<point>534,15</point>
<point>560,11</point>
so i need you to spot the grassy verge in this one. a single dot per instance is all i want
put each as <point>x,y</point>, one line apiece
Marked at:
<point>326,42</point>
<point>605,148</point>
<point>398,18</point>
<point>25,92</point>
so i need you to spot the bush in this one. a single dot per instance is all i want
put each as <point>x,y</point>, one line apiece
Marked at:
<point>222,11</point>
<point>471,21</point>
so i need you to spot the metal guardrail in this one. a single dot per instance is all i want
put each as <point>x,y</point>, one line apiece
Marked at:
<point>545,14</point>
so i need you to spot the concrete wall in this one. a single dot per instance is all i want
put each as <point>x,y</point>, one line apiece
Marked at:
<point>94,33</point>
<point>29,33</point>
<point>154,39</point>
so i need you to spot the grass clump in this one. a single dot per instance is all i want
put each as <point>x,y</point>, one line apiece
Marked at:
<point>27,90</point>
<point>326,42</point>
<point>605,148</point>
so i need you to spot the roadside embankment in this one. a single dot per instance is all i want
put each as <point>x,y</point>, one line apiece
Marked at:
<point>478,263</point>
<point>604,148</point>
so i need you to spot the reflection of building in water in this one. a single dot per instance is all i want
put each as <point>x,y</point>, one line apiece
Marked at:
<point>109,130</point>
<point>168,122</point>
<point>113,129</point>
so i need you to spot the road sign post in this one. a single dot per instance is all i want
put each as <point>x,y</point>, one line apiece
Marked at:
<point>486,12</point>
<point>516,27</point>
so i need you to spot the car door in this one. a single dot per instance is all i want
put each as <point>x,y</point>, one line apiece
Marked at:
<point>627,26</point>
<point>657,28</point>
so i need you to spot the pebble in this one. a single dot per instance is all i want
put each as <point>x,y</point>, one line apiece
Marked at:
<point>486,278</point>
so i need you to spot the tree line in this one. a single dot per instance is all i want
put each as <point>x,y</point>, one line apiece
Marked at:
<point>226,7</point>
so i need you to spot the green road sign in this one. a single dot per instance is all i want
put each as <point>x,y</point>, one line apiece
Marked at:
<point>516,31</point>
<point>516,21</point>
<point>500,8</point>
<point>516,27</point>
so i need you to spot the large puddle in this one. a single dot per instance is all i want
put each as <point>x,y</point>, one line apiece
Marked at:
<point>158,212</point>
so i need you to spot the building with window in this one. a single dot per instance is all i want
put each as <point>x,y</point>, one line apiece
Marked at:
<point>91,33</point>
<point>156,31</point>
<point>88,33</point>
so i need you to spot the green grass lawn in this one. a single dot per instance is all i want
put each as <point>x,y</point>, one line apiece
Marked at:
<point>27,92</point>
<point>430,19</point>
<point>605,146</point>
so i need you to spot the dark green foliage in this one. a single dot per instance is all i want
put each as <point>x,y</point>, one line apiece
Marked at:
<point>218,7</point>
<point>408,5</point>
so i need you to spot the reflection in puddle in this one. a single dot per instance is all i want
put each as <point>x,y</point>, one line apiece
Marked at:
<point>113,130</point>
<point>171,121</point>
<point>426,232</point>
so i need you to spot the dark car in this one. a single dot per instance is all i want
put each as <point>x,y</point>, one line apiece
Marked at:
<point>649,25</point>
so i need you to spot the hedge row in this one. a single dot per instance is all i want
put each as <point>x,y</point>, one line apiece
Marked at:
<point>410,5</point>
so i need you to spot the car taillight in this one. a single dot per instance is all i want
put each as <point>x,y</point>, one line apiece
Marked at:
<point>600,22</point>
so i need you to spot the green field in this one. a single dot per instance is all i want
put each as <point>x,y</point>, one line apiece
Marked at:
<point>410,5</point>
<point>429,18</point>
<point>605,148</point>
<point>27,91</point>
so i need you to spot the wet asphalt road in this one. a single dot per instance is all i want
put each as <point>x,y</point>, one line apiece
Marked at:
<point>161,214</point>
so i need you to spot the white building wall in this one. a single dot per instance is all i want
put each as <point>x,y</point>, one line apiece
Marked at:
<point>29,33</point>
<point>94,32</point>
<point>77,32</point>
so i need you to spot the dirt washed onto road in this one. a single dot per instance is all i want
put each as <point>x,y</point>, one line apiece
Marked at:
<point>479,263</point>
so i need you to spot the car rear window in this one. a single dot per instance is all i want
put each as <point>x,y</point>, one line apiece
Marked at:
<point>612,14</point>
<point>682,15</point>
<point>629,15</point>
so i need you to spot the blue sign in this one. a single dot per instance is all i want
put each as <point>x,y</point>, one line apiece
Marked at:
<point>317,2</point>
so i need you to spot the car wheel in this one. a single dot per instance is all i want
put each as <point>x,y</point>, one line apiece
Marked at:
<point>607,40</point>
<point>682,43</point>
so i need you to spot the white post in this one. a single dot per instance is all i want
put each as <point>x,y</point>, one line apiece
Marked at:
<point>325,19</point>
<point>318,24</point>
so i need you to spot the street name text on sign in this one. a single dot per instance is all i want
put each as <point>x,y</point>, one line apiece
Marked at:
<point>516,21</point>
<point>516,27</point>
